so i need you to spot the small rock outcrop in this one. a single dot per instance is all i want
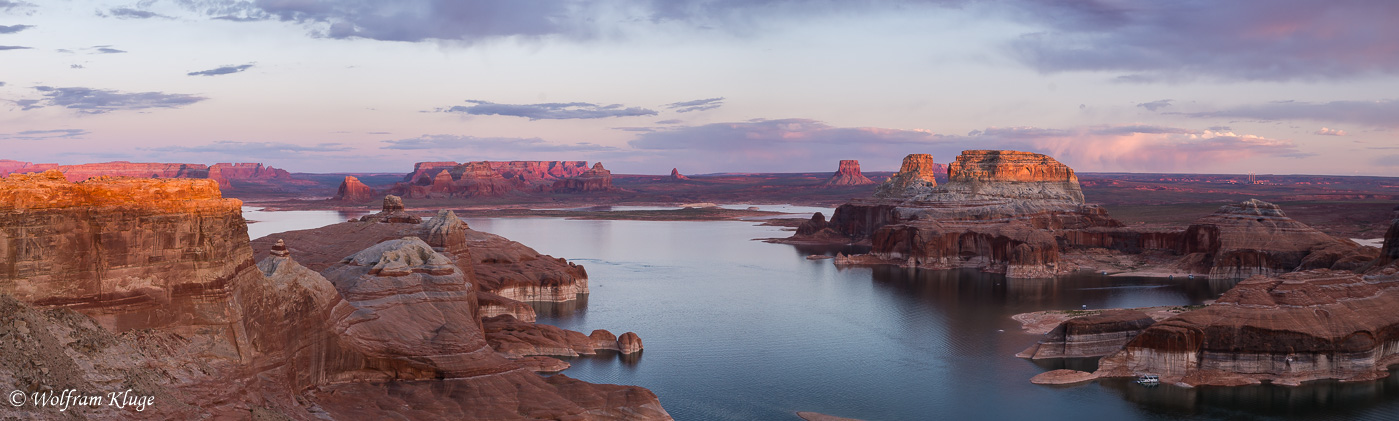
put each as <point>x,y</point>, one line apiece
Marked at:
<point>596,179</point>
<point>1287,329</point>
<point>392,213</point>
<point>916,178</point>
<point>848,174</point>
<point>1257,238</point>
<point>1090,336</point>
<point>629,343</point>
<point>353,191</point>
<point>675,175</point>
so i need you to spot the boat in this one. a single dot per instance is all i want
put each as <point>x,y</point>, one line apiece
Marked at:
<point>1148,380</point>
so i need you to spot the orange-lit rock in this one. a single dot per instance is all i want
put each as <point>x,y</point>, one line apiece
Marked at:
<point>352,190</point>
<point>675,175</point>
<point>916,177</point>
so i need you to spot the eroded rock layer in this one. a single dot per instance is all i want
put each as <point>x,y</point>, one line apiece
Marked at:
<point>1291,328</point>
<point>1008,175</point>
<point>1090,336</point>
<point>1257,238</point>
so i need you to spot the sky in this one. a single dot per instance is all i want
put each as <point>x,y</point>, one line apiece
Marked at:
<point>1262,86</point>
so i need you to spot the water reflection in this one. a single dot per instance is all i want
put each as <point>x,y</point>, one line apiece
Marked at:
<point>262,223</point>
<point>1327,399</point>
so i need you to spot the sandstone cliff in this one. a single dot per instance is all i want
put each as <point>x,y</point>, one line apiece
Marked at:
<point>1008,175</point>
<point>353,191</point>
<point>916,178</point>
<point>848,174</point>
<point>594,180</point>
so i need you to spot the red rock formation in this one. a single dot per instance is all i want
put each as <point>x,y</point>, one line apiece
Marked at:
<point>1295,327</point>
<point>629,343</point>
<point>675,175</point>
<point>353,191</point>
<point>1090,336</point>
<point>917,177</point>
<point>472,179</point>
<point>1257,238</point>
<point>1390,252</point>
<point>594,180</point>
<point>524,170</point>
<point>848,175</point>
<point>222,173</point>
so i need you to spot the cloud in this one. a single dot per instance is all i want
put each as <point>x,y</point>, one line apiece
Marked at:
<point>1367,113</point>
<point>46,134</point>
<point>224,70</point>
<point>696,105</point>
<point>551,111</point>
<point>808,145</point>
<point>13,28</point>
<point>671,121</point>
<point>489,144</point>
<point>252,148</point>
<point>107,49</point>
<point>1151,41</point>
<point>75,66</point>
<point>1155,105</point>
<point>1330,132</point>
<point>129,13</point>
<point>2,83</point>
<point>12,47</point>
<point>7,5</point>
<point>792,144</point>
<point>478,20</point>
<point>1137,148</point>
<point>98,101</point>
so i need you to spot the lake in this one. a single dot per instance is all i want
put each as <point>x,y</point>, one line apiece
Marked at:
<point>737,329</point>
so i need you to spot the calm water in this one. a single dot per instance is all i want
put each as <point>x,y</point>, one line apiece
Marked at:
<point>261,222</point>
<point>743,330</point>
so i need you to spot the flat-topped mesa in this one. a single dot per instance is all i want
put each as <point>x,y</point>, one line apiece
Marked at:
<point>848,174</point>
<point>353,191</point>
<point>1256,238</point>
<point>1008,175</point>
<point>1090,336</point>
<point>675,175</point>
<point>594,180</point>
<point>1288,329</point>
<point>916,178</point>
<point>527,171</point>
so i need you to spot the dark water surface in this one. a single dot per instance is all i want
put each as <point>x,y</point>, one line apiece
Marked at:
<point>743,330</point>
